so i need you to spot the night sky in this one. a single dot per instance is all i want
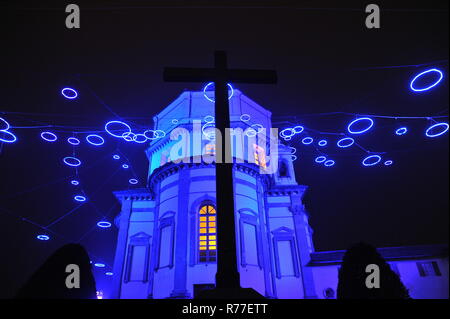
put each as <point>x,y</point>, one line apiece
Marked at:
<point>326,60</point>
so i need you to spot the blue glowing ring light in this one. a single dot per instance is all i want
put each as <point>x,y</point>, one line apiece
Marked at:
<point>368,160</point>
<point>292,149</point>
<point>140,138</point>
<point>211,83</point>
<point>293,158</point>
<point>116,157</point>
<point>345,142</point>
<point>320,159</point>
<point>108,273</point>
<point>287,138</point>
<point>329,163</point>
<point>74,182</point>
<point>73,141</point>
<point>72,95</point>
<point>104,224</point>
<point>401,131</point>
<point>250,132</point>
<point>43,237</point>
<point>128,136</point>
<point>245,118</point>
<point>128,128</point>
<point>209,119</point>
<point>125,166</point>
<point>154,135</point>
<point>100,265</point>
<point>100,139</point>
<point>411,85</point>
<point>284,135</point>
<point>133,181</point>
<point>7,124</point>
<point>363,130</point>
<point>307,140</point>
<point>322,143</point>
<point>48,139</point>
<point>388,162</point>
<point>174,121</point>
<point>298,129</point>
<point>80,198</point>
<point>258,127</point>
<point>11,140</point>
<point>71,161</point>
<point>432,127</point>
<point>160,133</point>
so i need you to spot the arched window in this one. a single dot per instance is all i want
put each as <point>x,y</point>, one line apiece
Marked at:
<point>283,170</point>
<point>207,243</point>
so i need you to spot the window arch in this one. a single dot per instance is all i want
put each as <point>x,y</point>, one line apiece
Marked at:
<point>207,233</point>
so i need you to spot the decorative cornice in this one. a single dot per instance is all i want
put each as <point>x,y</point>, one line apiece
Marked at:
<point>298,190</point>
<point>171,168</point>
<point>134,194</point>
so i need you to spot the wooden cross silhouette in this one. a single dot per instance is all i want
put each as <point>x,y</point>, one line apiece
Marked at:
<point>227,276</point>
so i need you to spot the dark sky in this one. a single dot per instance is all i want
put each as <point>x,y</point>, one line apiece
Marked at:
<point>327,61</point>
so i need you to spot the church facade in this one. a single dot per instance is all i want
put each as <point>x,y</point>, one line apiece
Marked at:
<point>166,246</point>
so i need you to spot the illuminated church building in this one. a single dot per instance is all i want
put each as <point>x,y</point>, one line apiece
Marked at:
<point>166,246</point>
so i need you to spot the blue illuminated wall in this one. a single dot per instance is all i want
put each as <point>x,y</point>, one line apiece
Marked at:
<point>158,253</point>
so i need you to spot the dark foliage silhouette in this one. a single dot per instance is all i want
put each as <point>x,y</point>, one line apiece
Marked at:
<point>49,281</point>
<point>352,276</point>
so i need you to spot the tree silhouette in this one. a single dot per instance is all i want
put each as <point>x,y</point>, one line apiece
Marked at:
<point>49,281</point>
<point>352,276</point>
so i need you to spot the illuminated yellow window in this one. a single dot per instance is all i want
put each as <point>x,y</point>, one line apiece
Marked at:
<point>207,225</point>
<point>260,156</point>
<point>210,149</point>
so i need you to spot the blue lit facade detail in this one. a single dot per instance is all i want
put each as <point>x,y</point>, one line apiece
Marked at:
<point>166,244</point>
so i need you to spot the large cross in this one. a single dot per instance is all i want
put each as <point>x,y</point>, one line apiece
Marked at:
<point>227,276</point>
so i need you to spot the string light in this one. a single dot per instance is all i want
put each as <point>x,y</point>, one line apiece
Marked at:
<point>74,182</point>
<point>401,131</point>
<point>125,166</point>
<point>104,224</point>
<point>388,162</point>
<point>110,132</point>
<point>91,137</point>
<point>320,159</point>
<point>307,140</point>
<point>345,142</point>
<point>80,198</point>
<point>116,157</point>
<point>73,141</point>
<point>369,126</point>
<point>439,72</point>
<point>43,237</point>
<point>7,126</point>
<point>443,126</point>
<point>322,143</point>
<point>371,160</point>
<point>329,163</point>
<point>211,83</point>
<point>49,136</point>
<point>12,138</point>
<point>133,181</point>
<point>69,93</point>
<point>71,161</point>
